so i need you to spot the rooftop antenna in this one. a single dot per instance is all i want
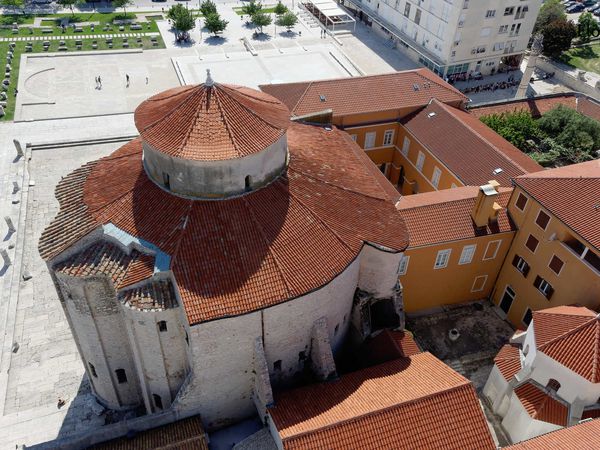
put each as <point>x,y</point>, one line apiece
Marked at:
<point>209,81</point>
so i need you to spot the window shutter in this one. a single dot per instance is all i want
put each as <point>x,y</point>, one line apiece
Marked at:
<point>537,282</point>
<point>549,292</point>
<point>526,270</point>
<point>515,260</point>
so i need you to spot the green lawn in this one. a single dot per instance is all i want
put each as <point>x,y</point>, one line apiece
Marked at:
<point>266,10</point>
<point>70,44</point>
<point>585,58</point>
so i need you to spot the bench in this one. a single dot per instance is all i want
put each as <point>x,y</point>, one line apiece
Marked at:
<point>135,26</point>
<point>121,28</point>
<point>47,30</point>
<point>78,30</point>
<point>125,45</point>
<point>62,49</point>
<point>110,45</point>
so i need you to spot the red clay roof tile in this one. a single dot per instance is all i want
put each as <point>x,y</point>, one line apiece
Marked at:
<point>235,256</point>
<point>209,123</point>
<point>583,436</point>
<point>444,216</point>
<point>536,106</point>
<point>357,95</point>
<point>571,194</point>
<point>508,361</point>
<point>415,402</point>
<point>541,406</point>
<point>466,146</point>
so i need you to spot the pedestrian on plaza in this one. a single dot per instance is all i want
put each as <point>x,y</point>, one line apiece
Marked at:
<point>99,82</point>
<point>96,79</point>
<point>146,80</point>
<point>127,78</point>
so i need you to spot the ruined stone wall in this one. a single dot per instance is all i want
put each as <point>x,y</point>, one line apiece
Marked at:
<point>378,271</point>
<point>101,334</point>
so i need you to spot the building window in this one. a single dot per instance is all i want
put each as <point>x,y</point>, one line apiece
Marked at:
<point>509,11</point>
<point>407,9</point>
<point>553,385</point>
<point>354,137</point>
<point>435,178</point>
<point>187,338</point>
<point>121,376</point>
<point>532,243</point>
<point>542,220</point>
<point>388,137</point>
<point>521,265</point>
<point>491,250</point>
<point>157,401</point>
<point>418,17</point>
<point>403,266</point>
<point>521,202</point>
<point>301,356</point>
<point>405,146</point>
<point>277,365</point>
<point>247,183</point>
<point>166,180</point>
<point>503,29</point>
<point>420,160</point>
<point>370,139</point>
<point>441,260</point>
<point>479,283</point>
<point>467,253</point>
<point>162,325</point>
<point>490,13</point>
<point>544,287</point>
<point>556,264</point>
<point>527,317</point>
<point>93,370</point>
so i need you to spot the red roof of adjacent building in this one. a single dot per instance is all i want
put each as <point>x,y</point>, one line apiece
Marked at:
<point>235,256</point>
<point>466,146</point>
<point>583,436</point>
<point>541,406</point>
<point>359,95</point>
<point>571,194</point>
<point>540,105</point>
<point>445,216</point>
<point>508,361</point>
<point>388,345</point>
<point>416,402</point>
<point>571,336</point>
<point>207,123</point>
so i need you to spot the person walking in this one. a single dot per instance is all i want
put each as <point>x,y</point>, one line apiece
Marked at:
<point>96,79</point>
<point>127,78</point>
<point>99,82</point>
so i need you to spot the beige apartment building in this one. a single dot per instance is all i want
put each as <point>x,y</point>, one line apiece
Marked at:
<point>453,37</point>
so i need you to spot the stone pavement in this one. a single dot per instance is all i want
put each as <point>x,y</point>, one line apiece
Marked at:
<point>67,37</point>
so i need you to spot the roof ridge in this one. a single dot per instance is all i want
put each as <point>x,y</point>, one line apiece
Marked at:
<point>595,369</point>
<point>308,86</point>
<point>476,133</point>
<point>567,333</point>
<point>173,110</point>
<point>449,88</point>
<point>429,205</point>
<point>465,383</point>
<point>247,108</point>
<point>194,120</point>
<point>266,241</point>
<point>226,123</point>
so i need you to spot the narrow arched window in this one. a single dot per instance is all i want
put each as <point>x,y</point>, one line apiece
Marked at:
<point>247,182</point>
<point>553,384</point>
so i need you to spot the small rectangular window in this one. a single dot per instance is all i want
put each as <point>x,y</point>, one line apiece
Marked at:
<point>407,9</point>
<point>556,264</point>
<point>491,250</point>
<point>420,160</point>
<point>405,146</point>
<point>354,137</point>
<point>542,220</point>
<point>435,178</point>
<point>403,266</point>
<point>544,287</point>
<point>467,253</point>
<point>157,401</point>
<point>521,202</point>
<point>521,265</point>
<point>370,139</point>
<point>442,258</point>
<point>527,317</point>
<point>121,376</point>
<point>479,283</point>
<point>162,325</point>
<point>532,243</point>
<point>388,137</point>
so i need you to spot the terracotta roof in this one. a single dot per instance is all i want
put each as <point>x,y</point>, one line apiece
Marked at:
<point>186,434</point>
<point>444,216</point>
<point>211,122</point>
<point>571,336</point>
<point>388,345</point>
<point>416,402</point>
<point>282,241</point>
<point>466,146</point>
<point>583,436</point>
<point>571,194</point>
<point>358,95</point>
<point>157,294</point>
<point>541,105</point>
<point>508,361</point>
<point>592,413</point>
<point>104,258</point>
<point>541,406</point>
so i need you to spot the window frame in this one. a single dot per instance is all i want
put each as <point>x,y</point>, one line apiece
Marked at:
<point>420,161</point>
<point>406,146</point>
<point>403,266</point>
<point>485,278</point>
<point>537,243</point>
<point>389,133</point>
<point>367,136</point>
<point>435,181</point>
<point>462,254</point>
<point>561,266</point>
<point>527,310</point>
<point>499,242</point>
<point>521,195</point>
<point>447,252</point>
<point>538,216</point>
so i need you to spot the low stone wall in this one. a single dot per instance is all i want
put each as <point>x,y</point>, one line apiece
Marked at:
<point>564,77</point>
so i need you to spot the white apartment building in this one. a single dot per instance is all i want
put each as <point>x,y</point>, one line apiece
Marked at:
<point>454,36</point>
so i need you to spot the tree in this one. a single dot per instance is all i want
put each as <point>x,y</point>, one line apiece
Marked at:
<point>122,4</point>
<point>214,23</point>
<point>572,130</point>
<point>184,22</point>
<point>587,26</point>
<point>261,20</point>
<point>208,7</point>
<point>280,9</point>
<point>175,11</point>
<point>558,36</point>
<point>551,11</point>
<point>70,4</point>
<point>252,8</point>
<point>516,127</point>
<point>14,4</point>
<point>288,20</point>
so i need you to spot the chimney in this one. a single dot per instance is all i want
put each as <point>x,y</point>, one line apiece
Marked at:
<point>486,209</point>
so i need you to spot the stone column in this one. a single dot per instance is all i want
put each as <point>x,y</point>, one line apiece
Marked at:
<point>321,356</point>
<point>536,50</point>
<point>262,394</point>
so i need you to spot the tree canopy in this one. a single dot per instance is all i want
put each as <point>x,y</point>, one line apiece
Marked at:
<point>587,27</point>
<point>287,20</point>
<point>214,23</point>
<point>208,7</point>
<point>280,9</point>
<point>70,4</point>
<point>261,20</point>
<point>15,4</point>
<point>252,8</point>
<point>122,4</point>
<point>550,11</point>
<point>183,20</point>
<point>558,36</point>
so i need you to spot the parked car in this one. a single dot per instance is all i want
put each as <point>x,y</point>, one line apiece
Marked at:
<point>578,7</point>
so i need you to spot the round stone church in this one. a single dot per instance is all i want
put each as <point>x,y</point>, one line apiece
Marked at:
<point>221,254</point>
